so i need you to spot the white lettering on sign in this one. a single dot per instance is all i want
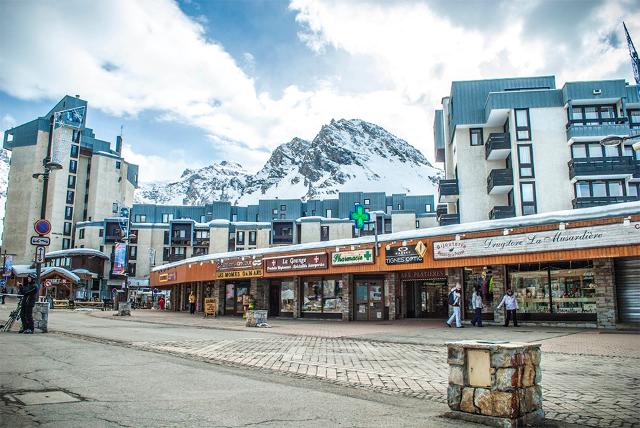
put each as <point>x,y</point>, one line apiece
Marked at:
<point>551,240</point>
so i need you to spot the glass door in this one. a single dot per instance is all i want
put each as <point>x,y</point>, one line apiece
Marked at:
<point>241,291</point>
<point>229,299</point>
<point>362,302</point>
<point>369,300</point>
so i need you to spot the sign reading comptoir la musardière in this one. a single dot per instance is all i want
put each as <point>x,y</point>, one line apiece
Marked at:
<point>551,240</point>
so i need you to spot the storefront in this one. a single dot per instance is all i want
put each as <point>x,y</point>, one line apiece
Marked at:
<point>282,297</point>
<point>369,303</point>
<point>237,273</point>
<point>322,297</point>
<point>628,289</point>
<point>479,279</point>
<point>236,297</point>
<point>425,294</point>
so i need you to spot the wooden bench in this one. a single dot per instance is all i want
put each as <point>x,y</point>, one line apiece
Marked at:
<point>60,304</point>
<point>90,304</point>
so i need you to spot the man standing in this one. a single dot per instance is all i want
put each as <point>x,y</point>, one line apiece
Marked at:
<point>3,291</point>
<point>476,303</point>
<point>29,290</point>
<point>510,303</point>
<point>192,302</point>
<point>454,302</point>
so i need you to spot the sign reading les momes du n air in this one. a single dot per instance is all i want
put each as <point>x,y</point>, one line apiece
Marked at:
<point>296,262</point>
<point>355,257</point>
<point>406,254</point>
<point>551,240</point>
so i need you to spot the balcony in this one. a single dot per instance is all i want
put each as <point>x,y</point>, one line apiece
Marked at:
<point>585,131</point>
<point>201,242</point>
<point>499,212</point>
<point>500,181</point>
<point>447,219</point>
<point>448,190</point>
<point>614,167</point>
<point>636,173</point>
<point>602,200</point>
<point>282,239</point>
<point>498,146</point>
<point>177,257</point>
<point>185,241</point>
<point>441,209</point>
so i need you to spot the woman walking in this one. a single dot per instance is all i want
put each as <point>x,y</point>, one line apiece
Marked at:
<point>476,304</point>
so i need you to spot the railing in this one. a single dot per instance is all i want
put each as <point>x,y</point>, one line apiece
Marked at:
<point>580,129</point>
<point>181,241</point>
<point>177,257</point>
<point>499,212</point>
<point>497,141</point>
<point>597,122</point>
<point>601,200</point>
<point>602,166</point>
<point>283,239</point>
<point>447,219</point>
<point>441,209</point>
<point>201,242</point>
<point>448,187</point>
<point>499,177</point>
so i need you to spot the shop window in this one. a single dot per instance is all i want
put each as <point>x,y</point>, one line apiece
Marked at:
<point>286,296</point>
<point>322,296</point>
<point>475,135</point>
<point>523,125</point>
<point>482,279</point>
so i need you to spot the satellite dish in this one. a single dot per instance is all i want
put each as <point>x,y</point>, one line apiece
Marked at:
<point>611,141</point>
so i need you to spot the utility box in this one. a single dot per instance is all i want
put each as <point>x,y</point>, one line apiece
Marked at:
<point>495,383</point>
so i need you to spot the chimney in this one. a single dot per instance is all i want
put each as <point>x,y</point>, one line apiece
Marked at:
<point>77,96</point>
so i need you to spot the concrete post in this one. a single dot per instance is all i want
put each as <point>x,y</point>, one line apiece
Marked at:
<point>499,278</point>
<point>604,278</point>
<point>218,292</point>
<point>390,280</point>
<point>296,297</point>
<point>347,296</point>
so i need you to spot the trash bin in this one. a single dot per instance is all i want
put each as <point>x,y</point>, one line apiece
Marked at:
<point>256,317</point>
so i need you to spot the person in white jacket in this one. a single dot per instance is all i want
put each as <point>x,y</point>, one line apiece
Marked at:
<point>476,304</point>
<point>510,303</point>
<point>454,302</point>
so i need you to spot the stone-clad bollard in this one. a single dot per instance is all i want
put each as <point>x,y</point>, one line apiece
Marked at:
<point>494,383</point>
<point>41,316</point>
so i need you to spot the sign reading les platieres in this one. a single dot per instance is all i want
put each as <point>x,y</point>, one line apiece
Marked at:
<point>551,240</point>
<point>296,262</point>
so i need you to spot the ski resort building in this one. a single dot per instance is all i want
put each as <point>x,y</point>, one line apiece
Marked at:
<point>574,267</point>
<point>520,146</point>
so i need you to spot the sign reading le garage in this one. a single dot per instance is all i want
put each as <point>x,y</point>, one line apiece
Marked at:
<point>238,267</point>
<point>552,240</point>
<point>355,257</point>
<point>296,262</point>
<point>406,254</point>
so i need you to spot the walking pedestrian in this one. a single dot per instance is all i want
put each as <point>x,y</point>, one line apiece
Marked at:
<point>510,302</point>
<point>192,303</point>
<point>29,290</point>
<point>3,290</point>
<point>454,301</point>
<point>476,303</point>
<point>161,303</point>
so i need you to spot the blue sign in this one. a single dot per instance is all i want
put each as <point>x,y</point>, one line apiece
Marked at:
<point>8,265</point>
<point>120,259</point>
<point>73,118</point>
<point>359,216</point>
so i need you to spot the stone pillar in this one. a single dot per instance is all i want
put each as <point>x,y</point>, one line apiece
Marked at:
<point>455,276</point>
<point>604,277</point>
<point>499,277</point>
<point>41,316</point>
<point>296,297</point>
<point>347,296</point>
<point>495,384</point>
<point>390,280</point>
<point>218,292</point>
<point>199,297</point>
<point>401,300</point>
<point>260,291</point>
<point>183,293</point>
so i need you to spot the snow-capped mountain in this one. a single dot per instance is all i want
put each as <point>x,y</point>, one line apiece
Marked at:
<point>345,156</point>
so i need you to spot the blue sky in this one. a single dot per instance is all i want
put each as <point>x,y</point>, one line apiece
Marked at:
<point>195,82</point>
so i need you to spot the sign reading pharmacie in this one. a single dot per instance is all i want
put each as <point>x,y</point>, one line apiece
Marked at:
<point>406,254</point>
<point>296,262</point>
<point>551,240</point>
<point>238,267</point>
<point>354,257</point>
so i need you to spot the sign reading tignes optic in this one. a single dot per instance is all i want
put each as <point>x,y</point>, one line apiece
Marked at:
<point>359,216</point>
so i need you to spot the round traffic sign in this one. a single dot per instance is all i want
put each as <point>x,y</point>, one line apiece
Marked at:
<point>42,227</point>
<point>47,283</point>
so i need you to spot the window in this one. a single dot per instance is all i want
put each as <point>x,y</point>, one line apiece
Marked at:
<point>417,224</point>
<point>70,194</point>
<point>283,216</point>
<point>593,115</point>
<point>73,166</point>
<point>81,234</point>
<point>203,219</point>
<point>528,193</point>
<point>601,189</point>
<point>179,251</point>
<point>167,217</point>
<point>240,237</point>
<point>313,212</point>
<point>322,296</point>
<point>328,213</point>
<point>583,189</point>
<point>66,243</point>
<point>118,164</point>
<point>75,150</point>
<point>274,211</point>
<point>427,208</point>
<point>366,202</point>
<point>202,234</point>
<point>634,118</point>
<point>525,160</point>
<point>71,182</point>
<point>523,125</point>
<point>131,268</point>
<point>475,135</point>
<point>324,233</point>
<point>389,209</point>
<point>68,213</point>
<point>252,237</point>
<point>612,151</point>
<point>579,151</point>
<point>399,207</point>
<point>140,218</point>
<point>634,189</point>
<point>616,188</point>
<point>100,234</point>
<point>166,237</point>
<point>234,217</point>
<point>286,296</point>
<point>66,229</point>
<point>133,252</point>
<point>283,207</point>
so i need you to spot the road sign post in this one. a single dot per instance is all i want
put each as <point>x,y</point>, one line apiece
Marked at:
<point>40,253</point>
<point>40,240</point>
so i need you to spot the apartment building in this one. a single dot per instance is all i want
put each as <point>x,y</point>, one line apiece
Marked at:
<point>94,177</point>
<point>521,146</point>
<point>160,234</point>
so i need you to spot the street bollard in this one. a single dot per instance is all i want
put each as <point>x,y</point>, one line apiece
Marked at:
<point>495,383</point>
<point>41,316</point>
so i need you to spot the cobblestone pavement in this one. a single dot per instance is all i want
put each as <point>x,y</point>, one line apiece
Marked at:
<point>584,390</point>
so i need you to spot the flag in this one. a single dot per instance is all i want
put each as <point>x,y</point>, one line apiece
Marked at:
<point>8,265</point>
<point>119,259</point>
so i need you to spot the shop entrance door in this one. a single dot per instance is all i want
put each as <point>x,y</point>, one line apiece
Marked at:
<point>233,298</point>
<point>274,299</point>
<point>426,298</point>
<point>369,300</point>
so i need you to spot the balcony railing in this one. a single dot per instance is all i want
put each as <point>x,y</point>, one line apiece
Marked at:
<point>601,200</point>
<point>500,178</point>
<point>201,242</point>
<point>589,129</point>
<point>499,212</point>
<point>283,239</point>
<point>177,257</point>
<point>498,146</point>
<point>602,166</point>
<point>447,219</point>
<point>441,209</point>
<point>448,189</point>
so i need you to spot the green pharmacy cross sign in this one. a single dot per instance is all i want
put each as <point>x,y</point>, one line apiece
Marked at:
<point>359,216</point>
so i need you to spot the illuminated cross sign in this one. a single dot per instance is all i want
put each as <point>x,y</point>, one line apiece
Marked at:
<point>359,217</point>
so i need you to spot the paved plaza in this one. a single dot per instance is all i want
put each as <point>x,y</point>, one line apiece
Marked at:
<point>590,377</point>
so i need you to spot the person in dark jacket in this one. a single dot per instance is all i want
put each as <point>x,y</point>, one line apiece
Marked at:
<point>29,291</point>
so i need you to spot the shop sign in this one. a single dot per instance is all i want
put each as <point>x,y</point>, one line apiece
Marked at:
<point>238,263</point>
<point>423,274</point>
<point>166,277</point>
<point>248,273</point>
<point>355,257</point>
<point>210,306</point>
<point>406,254</point>
<point>552,240</point>
<point>296,262</point>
